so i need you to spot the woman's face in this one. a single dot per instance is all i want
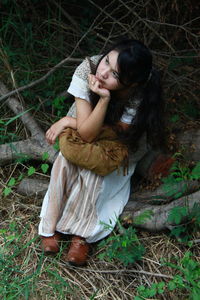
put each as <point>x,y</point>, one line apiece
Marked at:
<point>107,72</point>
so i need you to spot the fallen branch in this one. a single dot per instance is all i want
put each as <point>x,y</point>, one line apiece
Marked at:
<point>161,196</point>
<point>32,148</point>
<point>159,213</point>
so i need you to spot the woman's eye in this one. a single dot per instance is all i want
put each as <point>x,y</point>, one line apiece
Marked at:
<point>115,74</point>
<point>107,62</point>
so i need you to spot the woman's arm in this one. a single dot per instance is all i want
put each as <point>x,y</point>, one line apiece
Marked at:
<point>58,127</point>
<point>90,122</point>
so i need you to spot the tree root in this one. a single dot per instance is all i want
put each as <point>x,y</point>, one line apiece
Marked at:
<point>158,219</point>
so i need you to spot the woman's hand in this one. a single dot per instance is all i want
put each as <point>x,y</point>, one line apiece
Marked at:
<point>58,127</point>
<point>55,130</point>
<point>95,86</point>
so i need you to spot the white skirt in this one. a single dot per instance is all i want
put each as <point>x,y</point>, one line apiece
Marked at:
<point>79,202</point>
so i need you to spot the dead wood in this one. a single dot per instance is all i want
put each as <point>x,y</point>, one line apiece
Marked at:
<point>159,213</point>
<point>31,148</point>
<point>139,203</point>
<point>189,141</point>
<point>33,187</point>
<point>162,196</point>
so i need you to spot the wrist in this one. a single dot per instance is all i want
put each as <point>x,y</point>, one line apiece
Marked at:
<point>105,98</point>
<point>64,122</point>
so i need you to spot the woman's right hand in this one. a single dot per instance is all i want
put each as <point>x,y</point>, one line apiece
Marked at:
<point>95,86</point>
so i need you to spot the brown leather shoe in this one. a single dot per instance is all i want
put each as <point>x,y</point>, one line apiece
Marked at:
<point>50,245</point>
<point>78,252</point>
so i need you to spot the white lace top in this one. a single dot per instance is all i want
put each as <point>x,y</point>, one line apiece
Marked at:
<point>79,88</point>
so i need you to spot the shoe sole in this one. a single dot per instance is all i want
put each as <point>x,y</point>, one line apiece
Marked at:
<point>74,264</point>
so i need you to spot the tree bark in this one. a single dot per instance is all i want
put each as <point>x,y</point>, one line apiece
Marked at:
<point>158,219</point>
<point>32,148</point>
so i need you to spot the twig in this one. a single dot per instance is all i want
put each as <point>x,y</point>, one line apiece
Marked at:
<point>151,28</point>
<point>33,83</point>
<point>195,241</point>
<point>120,271</point>
<point>110,16</point>
<point>52,70</point>
<point>73,22</point>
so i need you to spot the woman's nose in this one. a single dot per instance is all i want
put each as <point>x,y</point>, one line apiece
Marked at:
<point>104,73</point>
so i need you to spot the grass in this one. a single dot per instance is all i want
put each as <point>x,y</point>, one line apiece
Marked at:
<point>26,274</point>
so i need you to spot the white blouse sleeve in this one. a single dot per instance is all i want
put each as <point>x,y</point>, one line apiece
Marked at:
<point>79,84</point>
<point>128,115</point>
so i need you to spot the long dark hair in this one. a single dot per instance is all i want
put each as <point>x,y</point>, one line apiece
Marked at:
<point>135,66</point>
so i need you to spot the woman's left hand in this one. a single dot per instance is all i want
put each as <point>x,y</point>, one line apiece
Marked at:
<point>95,86</point>
<point>54,131</point>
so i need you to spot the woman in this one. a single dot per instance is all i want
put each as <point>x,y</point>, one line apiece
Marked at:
<point>124,92</point>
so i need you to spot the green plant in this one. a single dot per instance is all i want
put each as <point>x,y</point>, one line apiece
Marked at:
<point>30,171</point>
<point>124,247</point>
<point>143,217</point>
<point>14,283</point>
<point>179,172</point>
<point>11,183</point>
<point>187,279</point>
<point>5,134</point>
<point>20,281</point>
<point>186,219</point>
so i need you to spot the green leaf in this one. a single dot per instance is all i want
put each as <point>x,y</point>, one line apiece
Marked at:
<point>31,171</point>
<point>179,281</point>
<point>195,294</point>
<point>174,118</point>
<point>45,156</point>
<point>178,230</point>
<point>160,287</point>
<point>18,116</point>
<point>124,243</point>
<point>177,213</point>
<point>56,145</point>
<point>7,191</point>
<point>196,171</point>
<point>143,217</point>
<point>44,168</point>
<point>171,285</point>
<point>141,288</point>
<point>151,291</point>
<point>11,181</point>
<point>20,177</point>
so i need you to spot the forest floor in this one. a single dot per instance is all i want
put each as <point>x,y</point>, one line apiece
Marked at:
<point>27,274</point>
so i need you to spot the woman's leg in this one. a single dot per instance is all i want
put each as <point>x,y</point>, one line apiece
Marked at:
<point>63,176</point>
